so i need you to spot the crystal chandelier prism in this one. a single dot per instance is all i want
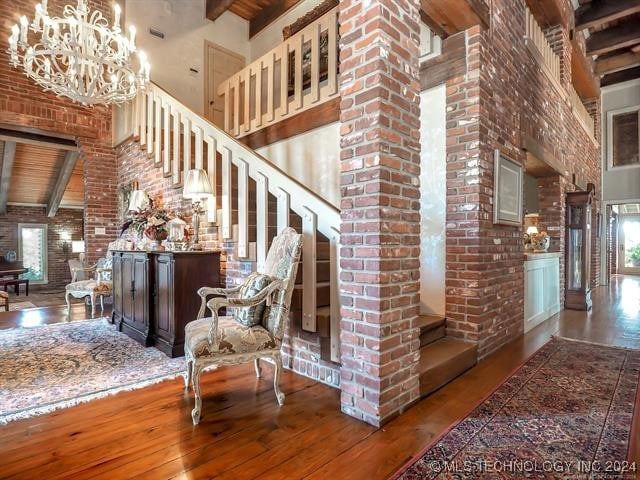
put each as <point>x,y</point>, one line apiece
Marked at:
<point>79,56</point>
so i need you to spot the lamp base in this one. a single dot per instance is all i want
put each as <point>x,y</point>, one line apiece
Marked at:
<point>196,247</point>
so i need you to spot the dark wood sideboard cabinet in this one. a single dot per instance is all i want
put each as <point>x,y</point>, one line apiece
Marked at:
<point>155,294</point>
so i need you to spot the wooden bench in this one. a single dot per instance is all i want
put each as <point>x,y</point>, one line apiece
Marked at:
<point>16,282</point>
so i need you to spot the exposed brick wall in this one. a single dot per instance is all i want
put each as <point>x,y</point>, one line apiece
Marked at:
<point>503,96</point>
<point>23,104</point>
<point>380,165</point>
<point>67,221</point>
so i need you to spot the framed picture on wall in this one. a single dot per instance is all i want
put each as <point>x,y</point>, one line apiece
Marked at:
<point>507,190</point>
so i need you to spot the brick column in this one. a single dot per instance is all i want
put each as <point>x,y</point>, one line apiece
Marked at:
<point>380,164</point>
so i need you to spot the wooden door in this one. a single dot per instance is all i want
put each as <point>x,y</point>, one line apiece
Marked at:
<point>163,325</point>
<point>220,64</point>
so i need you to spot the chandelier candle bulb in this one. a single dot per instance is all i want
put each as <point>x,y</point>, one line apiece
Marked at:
<point>132,37</point>
<point>116,22</point>
<point>24,23</point>
<point>36,20</point>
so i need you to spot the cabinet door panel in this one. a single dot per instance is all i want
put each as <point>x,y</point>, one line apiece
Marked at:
<point>117,284</point>
<point>127,288</point>
<point>164,297</point>
<point>140,294</point>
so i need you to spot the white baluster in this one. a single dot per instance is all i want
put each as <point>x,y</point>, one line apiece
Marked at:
<point>157,149</point>
<point>333,54</point>
<point>297,96</point>
<point>258,100</point>
<point>198,147</point>
<point>284,81</point>
<point>150,110</point>
<point>309,305</point>
<point>262,219</point>
<point>243,208</point>
<point>175,164</point>
<point>226,193</point>
<point>211,171</point>
<point>315,63</point>
<point>283,210</point>
<point>186,146</point>
<point>166,134</point>
<point>143,119</point>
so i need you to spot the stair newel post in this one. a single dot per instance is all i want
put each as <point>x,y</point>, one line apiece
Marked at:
<point>166,135</point>
<point>334,289</point>
<point>211,171</point>
<point>143,118</point>
<point>243,208</point>
<point>262,219</point>
<point>283,210</point>
<point>226,193</point>
<point>158,132</point>
<point>186,145</point>
<point>175,163</point>
<point>309,304</point>
<point>150,109</point>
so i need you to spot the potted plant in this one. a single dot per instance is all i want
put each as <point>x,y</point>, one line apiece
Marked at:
<point>150,224</point>
<point>634,256</point>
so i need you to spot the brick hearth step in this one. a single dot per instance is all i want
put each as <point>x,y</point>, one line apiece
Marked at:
<point>444,360</point>
<point>432,328</point>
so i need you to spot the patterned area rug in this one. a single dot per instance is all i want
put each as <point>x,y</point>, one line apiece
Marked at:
<point>56,366</point>
<point>566,413</point>
<point>13,307</point>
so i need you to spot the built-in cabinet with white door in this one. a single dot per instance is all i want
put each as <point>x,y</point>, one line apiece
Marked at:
<point>541,288</point>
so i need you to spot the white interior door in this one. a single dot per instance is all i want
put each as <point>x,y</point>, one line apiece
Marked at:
<point>220,64</point>
<point>629,245</point>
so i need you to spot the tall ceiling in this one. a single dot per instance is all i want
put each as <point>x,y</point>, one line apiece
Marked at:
<point>613,28</point>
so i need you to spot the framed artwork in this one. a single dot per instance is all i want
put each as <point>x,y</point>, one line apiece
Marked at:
<point>507,190</point>
<point>124,195</point>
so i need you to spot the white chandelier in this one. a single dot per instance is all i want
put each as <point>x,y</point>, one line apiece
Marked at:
<point>79,56</point>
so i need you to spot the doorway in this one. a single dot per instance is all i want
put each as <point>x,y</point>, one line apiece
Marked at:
<point>219,65</point>
<point>629,245</point>
<point>32,248</point>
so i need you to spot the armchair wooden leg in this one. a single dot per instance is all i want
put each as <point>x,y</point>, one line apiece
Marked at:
<point>277,361</point>
<point>187,375</point>
<point>66,297</point>
<point>256,363</point>
<point>102,303</point>
<point>195,413</point>
<point>93,305</point>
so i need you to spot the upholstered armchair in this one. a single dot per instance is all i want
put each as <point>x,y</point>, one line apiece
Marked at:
<point>99,286</point>
<point>256,328</point>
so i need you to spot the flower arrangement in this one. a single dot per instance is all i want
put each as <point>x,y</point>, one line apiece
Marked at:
<point>540,241</point>
<point>150,222</point>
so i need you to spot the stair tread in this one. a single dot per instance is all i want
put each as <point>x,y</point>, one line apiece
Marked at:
<point>441,351</point>
<point>429,321</point>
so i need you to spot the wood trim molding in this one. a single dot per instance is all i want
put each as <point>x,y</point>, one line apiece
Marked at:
<point>8,157</point>
<point>60,187</point>
<point>323,114</point>
<point>215,8</point>
<point>37,139</point>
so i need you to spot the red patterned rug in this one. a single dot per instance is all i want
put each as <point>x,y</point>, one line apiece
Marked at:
<point>566,413</point>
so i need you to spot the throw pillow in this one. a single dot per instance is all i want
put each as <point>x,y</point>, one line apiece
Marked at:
<point>253,284</point>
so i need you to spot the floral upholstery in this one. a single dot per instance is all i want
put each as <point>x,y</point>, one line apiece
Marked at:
<point>250,316</point>
<point>4,300</point>
<point>90,286</point>
<point>233,337</point>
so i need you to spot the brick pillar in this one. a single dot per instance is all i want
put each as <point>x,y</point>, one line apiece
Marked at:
<point>380,165</point>
<point>100,195</point>
<point>560,41</point>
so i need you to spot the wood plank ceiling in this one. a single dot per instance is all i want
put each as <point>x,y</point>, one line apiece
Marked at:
<point>613,37</point>
<point>35,172</point>
<point>259,13</point>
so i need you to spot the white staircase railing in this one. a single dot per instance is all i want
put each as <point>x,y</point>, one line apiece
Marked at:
<point>298,74</point>
<point>168,130</point>
<point>548,57</point>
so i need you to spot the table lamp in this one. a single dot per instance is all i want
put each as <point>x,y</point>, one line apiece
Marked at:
<point>532,230</point>
<point>77,246</point>
<point>138,201</point>
<point>198,189</point>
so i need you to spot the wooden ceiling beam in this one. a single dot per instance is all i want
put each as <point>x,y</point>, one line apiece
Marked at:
<point>69,163</point>
<point>8,157</point>
<point>269,14</point>
<point>604,11</point>
<point>621,76</point>
<point>584,80</point>
<point>215,8</point>
<point>623,35</point>
<point>36,139</point>
<point>617,63</point>
<point>455,16</point>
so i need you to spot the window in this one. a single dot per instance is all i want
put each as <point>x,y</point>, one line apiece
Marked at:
<point>624,141</point>
<point>32,248</point>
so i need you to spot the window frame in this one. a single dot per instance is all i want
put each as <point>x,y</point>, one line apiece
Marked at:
<point>610,115</point>
<point>43,227</point>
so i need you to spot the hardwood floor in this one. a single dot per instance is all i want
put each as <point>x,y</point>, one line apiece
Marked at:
<point>244,434</point>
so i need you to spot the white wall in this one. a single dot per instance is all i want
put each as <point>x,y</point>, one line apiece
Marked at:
<point>185,27</point>
<point>620,183</point>
<point>312,158</point>
<point>432,199</point>
<point>271,36</point>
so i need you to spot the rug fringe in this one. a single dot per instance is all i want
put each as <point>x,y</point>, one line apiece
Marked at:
<point>597,344</point>
<point>34,412</point>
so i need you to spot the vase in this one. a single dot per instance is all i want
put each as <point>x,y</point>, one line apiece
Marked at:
<point>155,245</point>
<point>540,245</point>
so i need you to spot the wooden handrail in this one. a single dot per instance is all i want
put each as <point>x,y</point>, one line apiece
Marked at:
<point>175,138</point>
<point>298,74</point>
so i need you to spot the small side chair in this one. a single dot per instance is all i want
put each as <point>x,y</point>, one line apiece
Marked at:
<point>257,326</point>
<point>99,286</point>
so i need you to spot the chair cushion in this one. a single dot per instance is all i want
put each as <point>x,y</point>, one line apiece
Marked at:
<point>253,284</point>
<point>4,297</point>
<point>90,286</point>
<point>232,338</point>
